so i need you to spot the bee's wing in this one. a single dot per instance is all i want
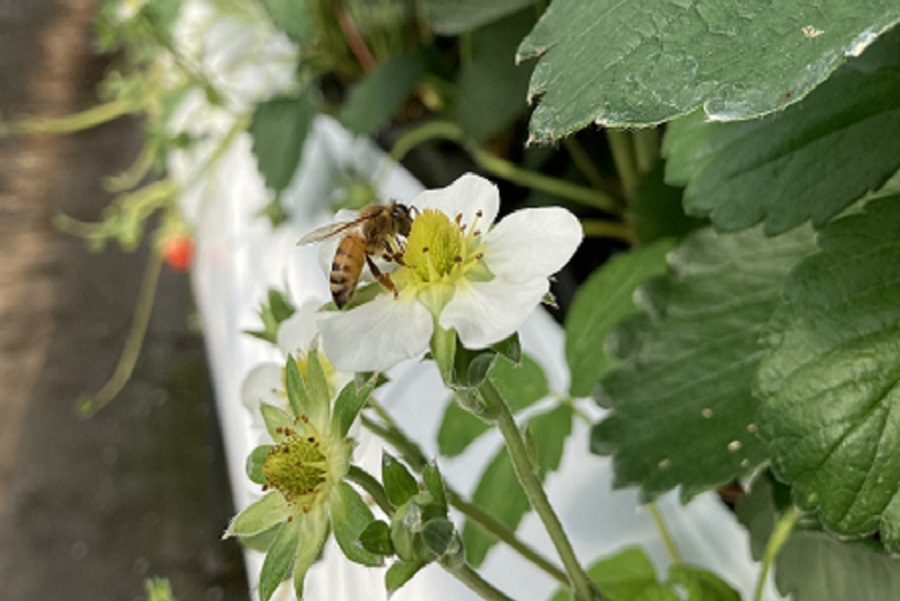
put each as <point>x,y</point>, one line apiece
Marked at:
<point>328,231</point>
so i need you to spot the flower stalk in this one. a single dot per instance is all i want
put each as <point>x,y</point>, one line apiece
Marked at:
<point>89,405</point>
<point>68,124</point>
<point>442,130</point>
<point>581,585</point>
<point>780,533</point>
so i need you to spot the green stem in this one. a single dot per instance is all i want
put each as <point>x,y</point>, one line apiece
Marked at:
<point>538,181</point>
<point>646,148</point>
<point>497,529</point>
<point>779,536</point>
<point>414,456</point>
<point>515,445</point>
<point>600,228</point>
<point>464,573</point>
<point>407,449</point>
<point>88,406</point>
<point>433,130</point>
<point>620,144</point>
<point>584,163</point>
<point>472,579</point>
<point>664,533</point>
<point>68,124</point>
<point>444,130</point>
<point>135,173</point>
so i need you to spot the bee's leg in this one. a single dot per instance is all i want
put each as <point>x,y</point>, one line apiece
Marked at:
<point>393,253</point>
<point>383,278</point>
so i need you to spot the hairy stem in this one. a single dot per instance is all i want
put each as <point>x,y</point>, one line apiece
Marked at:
<point>515,445</point>
<point>472,579</point>
<point>497,529</point>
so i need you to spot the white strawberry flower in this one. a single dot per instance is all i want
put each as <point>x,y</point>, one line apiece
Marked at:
<point>460,272</point>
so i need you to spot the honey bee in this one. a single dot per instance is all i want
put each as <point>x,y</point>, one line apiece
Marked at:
<point>375,231</point>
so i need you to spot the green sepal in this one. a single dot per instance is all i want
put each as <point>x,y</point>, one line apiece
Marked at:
<point>510,348</point>
<point>404,524</point>
<point>296,388</point>
<point>349,402</point>
<point>400,573</point>
<point>279,558</point>
<point>443,351</point>
<point>317,388</point>
<point>399,484</point>
<point>276,420</point>
<point>376,538</point>
<point>260,516</point>
<point>262,541</point>
<point>437,535</point>
<point>313,532</point>
<point>434,484</point>
<point>255,461</point>
<point>350,516</point>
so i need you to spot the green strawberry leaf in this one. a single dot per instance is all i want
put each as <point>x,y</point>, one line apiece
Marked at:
<point>830,408</point>
<point>492,87</point>
<point>279,127</point>
<point>641,63</point>
<point>602,301</point>
<point>375,99</point>
<point>682,409</point>
<point>813,159</point>
<point>813,566</point>
<point>451,17</point>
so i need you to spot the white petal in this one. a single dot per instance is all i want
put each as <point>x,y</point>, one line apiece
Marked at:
<point>467,195</point>
<point>483,313</point>
<point>296,333</point>
<point>377,335</point>
<point>263,385</point>
<point>532,243</point>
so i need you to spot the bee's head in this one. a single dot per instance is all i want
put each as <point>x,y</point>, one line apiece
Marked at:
<point>403,215</point>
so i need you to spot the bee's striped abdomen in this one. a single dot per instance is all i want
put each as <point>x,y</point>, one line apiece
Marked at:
<point>346,268</point>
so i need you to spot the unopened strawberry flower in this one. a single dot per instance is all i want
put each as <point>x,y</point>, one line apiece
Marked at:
<point>459,272</point>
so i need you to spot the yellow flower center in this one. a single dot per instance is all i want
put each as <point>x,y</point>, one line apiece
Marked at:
<point>298,469</point>
<point>439,253</point>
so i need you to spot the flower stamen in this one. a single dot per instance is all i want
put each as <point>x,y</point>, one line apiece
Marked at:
<point>298,467</point>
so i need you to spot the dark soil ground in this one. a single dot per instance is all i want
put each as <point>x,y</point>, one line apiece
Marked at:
<point>90,508</point>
